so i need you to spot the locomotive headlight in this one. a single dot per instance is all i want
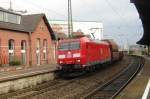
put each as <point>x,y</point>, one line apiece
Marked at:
<point>60,62</point>
<point>78,60</point>
<point>61,56</point>
<point>76,55</point>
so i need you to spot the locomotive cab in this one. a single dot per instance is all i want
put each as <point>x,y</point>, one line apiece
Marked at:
<point>69,54</point>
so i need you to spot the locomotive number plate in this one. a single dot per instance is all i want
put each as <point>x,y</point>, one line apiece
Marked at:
<point>69,55</point>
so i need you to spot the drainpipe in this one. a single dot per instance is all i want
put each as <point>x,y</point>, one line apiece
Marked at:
<point>30,50</point>
<point>148,50</point>
<point>0,53</point>
<point>56,45</point>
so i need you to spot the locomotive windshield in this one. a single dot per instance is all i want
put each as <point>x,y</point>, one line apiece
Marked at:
<point>69,46</point>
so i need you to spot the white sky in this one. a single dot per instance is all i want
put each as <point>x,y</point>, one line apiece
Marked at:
<point>120,18</point>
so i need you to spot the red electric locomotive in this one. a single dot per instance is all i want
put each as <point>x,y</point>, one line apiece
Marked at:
<point>84,53</point>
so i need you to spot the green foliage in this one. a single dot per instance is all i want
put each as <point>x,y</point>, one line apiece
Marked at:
<point>131,52</point>
<point>143,52</point>
<point>15,61</point>
<point>75,36</point>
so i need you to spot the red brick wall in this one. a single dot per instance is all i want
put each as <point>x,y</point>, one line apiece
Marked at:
<point>41,33</point>
<point>5,36</point>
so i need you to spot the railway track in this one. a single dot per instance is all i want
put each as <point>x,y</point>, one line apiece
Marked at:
<point>74,88</point>
<point>39,89</point>
<point>114,86</point>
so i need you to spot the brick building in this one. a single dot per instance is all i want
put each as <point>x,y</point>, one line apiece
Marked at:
<point>27,39</point>
<point>93,29</point>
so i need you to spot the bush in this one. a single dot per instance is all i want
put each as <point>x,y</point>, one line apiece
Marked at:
<point>14,63</point>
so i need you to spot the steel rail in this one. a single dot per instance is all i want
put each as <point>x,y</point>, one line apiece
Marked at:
<point>92,93</point>
<point>138,69</point>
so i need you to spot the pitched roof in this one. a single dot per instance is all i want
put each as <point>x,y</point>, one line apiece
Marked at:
<point>28,23</point>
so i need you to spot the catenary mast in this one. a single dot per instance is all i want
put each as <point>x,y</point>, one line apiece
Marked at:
<point>70,24</point>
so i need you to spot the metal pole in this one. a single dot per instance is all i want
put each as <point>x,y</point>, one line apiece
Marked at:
<point>68,20</point>
<point>10,6</point>
<point>70,25</point>
<point>71,17</point>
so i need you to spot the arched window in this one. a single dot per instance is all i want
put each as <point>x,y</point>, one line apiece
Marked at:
<point>11,47</point>
<point>23,51</point>
<point>11,44</point>
<point>23,45</point>
<point>38,44</point>
<point>45,49</point>
<point>38,60</point>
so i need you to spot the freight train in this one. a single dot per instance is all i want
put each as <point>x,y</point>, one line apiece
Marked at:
<point>84,53</point>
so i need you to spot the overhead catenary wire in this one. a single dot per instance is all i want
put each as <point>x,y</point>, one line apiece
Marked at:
<point>39,6</point>
<point>121,18</point>
<point>116,12</point>
<point>136,29</point>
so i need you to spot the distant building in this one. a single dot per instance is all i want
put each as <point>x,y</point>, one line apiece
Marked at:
<point>86,27</point>
<point>27,39</point>
<point>137,50</point>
